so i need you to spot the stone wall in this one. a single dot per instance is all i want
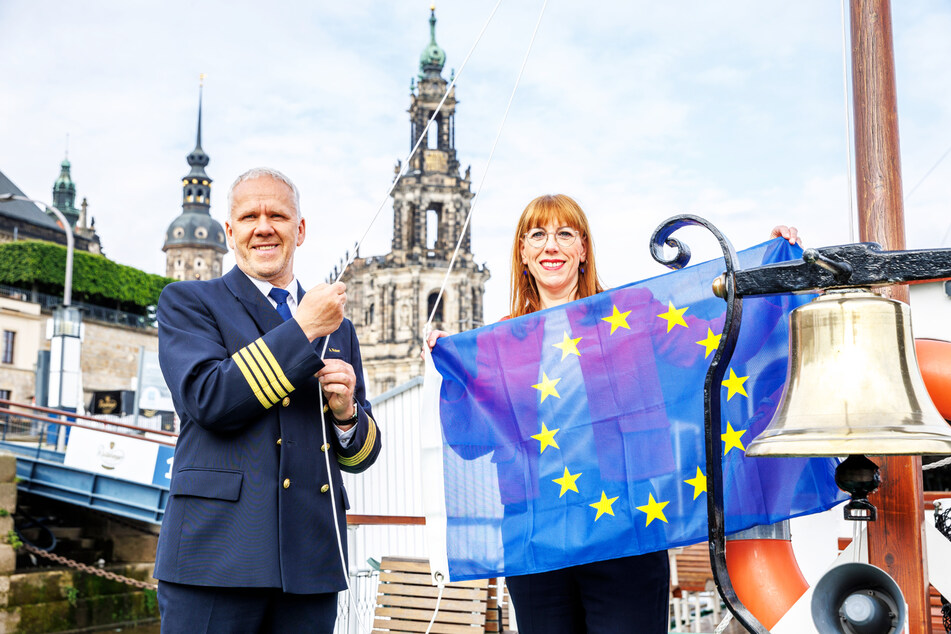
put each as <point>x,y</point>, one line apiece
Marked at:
<point>110,357</point>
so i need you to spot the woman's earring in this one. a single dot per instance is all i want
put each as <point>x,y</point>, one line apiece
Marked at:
<point>581,268</point>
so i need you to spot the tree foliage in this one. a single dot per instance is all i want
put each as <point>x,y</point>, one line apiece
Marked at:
<point>96,280</point>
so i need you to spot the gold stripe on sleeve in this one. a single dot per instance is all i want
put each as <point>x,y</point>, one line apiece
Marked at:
<point>274,365</point>
<point>250,379</point>
<point>364,452</point>
<point>253,365</point>
<point>272,380</point>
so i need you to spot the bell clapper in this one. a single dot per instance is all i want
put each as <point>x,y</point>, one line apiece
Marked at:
<point>858,476</point>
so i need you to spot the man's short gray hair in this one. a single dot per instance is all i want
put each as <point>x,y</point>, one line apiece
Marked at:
<point>258,172</point>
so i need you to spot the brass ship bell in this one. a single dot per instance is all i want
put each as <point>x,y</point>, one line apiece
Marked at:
<point>853,388</point>
<point>853,385</point>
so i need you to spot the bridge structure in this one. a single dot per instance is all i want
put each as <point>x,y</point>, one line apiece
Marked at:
<point>96,462</point>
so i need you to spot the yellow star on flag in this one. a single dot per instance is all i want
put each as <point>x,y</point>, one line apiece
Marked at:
<point>674,316</point>
<point>710,343</point>
<point>699,483</point>
<point>735,385</point>
<point>547,438</point>
<point>603,505</point>
<point>568,346</point>
<point>547,387</point>
<point>654,510</point>
<point>617,319</point>
<point>567,482</point>
<point>732,438</point>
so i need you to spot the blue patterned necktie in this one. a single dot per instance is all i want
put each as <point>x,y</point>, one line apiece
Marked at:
<point>279,295</point>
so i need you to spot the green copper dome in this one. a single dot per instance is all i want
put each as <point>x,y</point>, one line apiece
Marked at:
<point>64,181</point>
<point>64,193</point>
<point>433,57</point>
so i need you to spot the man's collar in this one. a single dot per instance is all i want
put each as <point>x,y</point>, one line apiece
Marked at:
<point>265,287</point>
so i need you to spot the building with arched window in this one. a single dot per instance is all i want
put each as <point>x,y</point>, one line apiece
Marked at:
<point>391,297</point>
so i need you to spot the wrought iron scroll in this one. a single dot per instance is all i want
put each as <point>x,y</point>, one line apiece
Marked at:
<point>711,401</point>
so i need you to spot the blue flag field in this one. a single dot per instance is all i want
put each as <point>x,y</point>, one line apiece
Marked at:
<point>576,434</point>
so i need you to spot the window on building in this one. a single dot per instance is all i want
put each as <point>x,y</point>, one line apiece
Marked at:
<point>432,228</point>
<point>9,340</point>
<point>432,135</point>
<point>6,395</point>
<point>437,317</point>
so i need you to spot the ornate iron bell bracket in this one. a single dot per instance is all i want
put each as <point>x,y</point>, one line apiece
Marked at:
<point>862,265</point>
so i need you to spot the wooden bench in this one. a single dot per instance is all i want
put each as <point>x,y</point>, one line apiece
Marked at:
<point>692,585</point>
<point>690,569</point>
<point>496,607</point>
<point>406,599</point>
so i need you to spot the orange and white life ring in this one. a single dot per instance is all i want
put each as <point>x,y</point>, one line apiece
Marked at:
<point>934,360</point>
<point>766,577</point>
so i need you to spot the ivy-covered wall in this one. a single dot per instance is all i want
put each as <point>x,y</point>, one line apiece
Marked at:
<point>96,280</point>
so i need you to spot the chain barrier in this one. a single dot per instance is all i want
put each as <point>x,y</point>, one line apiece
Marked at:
<point>99,572</point>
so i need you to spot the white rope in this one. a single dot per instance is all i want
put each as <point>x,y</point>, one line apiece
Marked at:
<point>726,621</point>
<point>935,465</point>
<point>927,174</point>
<point>436,610</point>
<point>848,123</point>
<point>923,179</point>
<point>405,164</point>
<point>856,541</point>
<point>323,353</point>
<point>485,172</point>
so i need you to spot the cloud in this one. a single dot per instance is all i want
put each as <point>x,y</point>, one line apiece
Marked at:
<point>640,110</point>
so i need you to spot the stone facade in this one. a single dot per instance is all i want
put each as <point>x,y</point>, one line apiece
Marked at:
<point>390,298</point>
<point>193,263</point>
<point>109,358</point>
<point>28,326</point>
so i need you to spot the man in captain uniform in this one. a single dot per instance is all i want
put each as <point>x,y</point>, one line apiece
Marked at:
<point>248,542</point>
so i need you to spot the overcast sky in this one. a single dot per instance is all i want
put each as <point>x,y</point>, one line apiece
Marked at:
<point>640,110</point>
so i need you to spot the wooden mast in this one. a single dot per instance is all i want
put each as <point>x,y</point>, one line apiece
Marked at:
<point>897,537</point>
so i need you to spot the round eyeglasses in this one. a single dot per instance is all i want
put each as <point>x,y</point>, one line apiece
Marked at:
<point>565,237</point>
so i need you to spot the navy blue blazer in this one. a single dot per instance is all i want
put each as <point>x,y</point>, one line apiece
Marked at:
<point>250,495</point>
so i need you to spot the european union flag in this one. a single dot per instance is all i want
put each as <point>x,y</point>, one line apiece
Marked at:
<point>576,434</point>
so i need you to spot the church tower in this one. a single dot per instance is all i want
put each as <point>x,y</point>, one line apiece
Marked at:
<point>195,242</point>
<point>64,199</point>
<point>390,297</point>
<point>64,193</point>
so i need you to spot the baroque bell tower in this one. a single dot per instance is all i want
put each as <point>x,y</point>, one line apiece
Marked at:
<point>195,242</point>
<point>390,297</point>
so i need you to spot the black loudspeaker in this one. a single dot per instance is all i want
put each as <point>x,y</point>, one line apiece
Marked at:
<point>856,598</point>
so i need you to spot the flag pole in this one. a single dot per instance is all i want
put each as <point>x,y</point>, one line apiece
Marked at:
<point>896,540</point>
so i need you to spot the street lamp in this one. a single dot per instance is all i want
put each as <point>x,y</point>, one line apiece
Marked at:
<point>66,329</point>
<point>68,283</point>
